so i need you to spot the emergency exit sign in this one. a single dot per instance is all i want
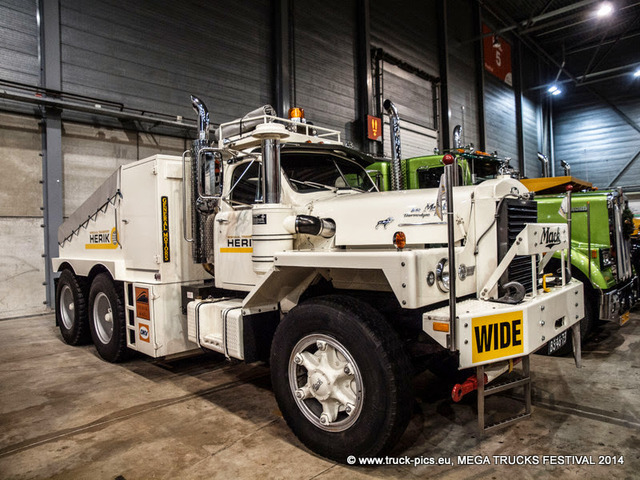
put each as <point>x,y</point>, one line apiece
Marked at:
<point>374,127</point>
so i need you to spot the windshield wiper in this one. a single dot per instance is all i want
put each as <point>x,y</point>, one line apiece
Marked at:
<point>309,183</point>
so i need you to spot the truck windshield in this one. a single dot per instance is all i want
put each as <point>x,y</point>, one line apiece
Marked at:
<point>310,172</point>
<point>483,169</point>
<point>430,177</point>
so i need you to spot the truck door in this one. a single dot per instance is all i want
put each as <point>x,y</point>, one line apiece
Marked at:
<point>233,225</point>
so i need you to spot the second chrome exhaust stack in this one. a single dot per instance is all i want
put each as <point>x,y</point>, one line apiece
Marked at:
<point>397,181</point>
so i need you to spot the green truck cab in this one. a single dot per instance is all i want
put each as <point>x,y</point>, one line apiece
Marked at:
<point>600,233</point>
<point>425,171</point>
<point>600,254</point>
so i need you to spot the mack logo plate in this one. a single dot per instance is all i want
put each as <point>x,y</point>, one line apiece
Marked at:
<point>497,336</point>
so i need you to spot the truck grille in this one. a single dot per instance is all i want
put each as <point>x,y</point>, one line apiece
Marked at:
<point>514,214</point>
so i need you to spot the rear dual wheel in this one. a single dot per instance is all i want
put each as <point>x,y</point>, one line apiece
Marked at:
<point>71,308</point>
<point>107,319</point>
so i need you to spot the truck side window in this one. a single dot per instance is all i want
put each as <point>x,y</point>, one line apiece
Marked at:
<point>246,189</point>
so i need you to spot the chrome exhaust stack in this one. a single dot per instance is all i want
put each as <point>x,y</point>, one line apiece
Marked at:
<point>200,208</point>
<point>397,181</point>
<point>457,137</point>
<point>545,164</point>
<point>567,168</point>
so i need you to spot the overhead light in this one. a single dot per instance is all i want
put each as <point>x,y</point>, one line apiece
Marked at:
<point>604,10</point>
<point>554,90</point>
<point>637,73</point>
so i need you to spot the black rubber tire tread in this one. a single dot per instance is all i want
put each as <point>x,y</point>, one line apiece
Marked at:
<point>385,368</point>
<point>116,350</point>
<point>78,334</point>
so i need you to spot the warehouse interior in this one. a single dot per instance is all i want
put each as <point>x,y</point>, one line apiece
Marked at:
<point>89,86</point>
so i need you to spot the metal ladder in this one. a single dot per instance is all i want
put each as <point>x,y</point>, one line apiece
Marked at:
<point>523,380</point>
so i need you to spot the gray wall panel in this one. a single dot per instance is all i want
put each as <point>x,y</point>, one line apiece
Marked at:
<point>152,55</point>
<point>594,139</point>
<point>500,117</point>
<point>412,95</point>
<point>463,102</point>
<point>325,83</point>
<point>19,42</point>
<point>532,167</point>
<point>408,31</point>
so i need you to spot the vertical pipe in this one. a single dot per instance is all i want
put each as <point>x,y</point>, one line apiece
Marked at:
<point>271,170</point>
<point>397,182</point>
<point>51,78</point>
<point>449,171</point>
<point>519,119</point>
<point>282,56</point>
<point>477,14</point>
<point>569,189</point>
<point>443,60</point>
<point>365,78</point>
<point>552,150</point>
<point>589,236</point>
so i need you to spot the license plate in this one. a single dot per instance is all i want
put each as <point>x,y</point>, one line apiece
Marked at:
<point>624,318</point>
<point>558,342</point>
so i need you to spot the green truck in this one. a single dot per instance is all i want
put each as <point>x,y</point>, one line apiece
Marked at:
<point>425,171</point>
<point>600,255</point>
<point>601,228</point>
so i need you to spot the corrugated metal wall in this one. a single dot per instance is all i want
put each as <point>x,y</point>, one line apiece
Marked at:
<point>408,31</point>
<point>152,54</point>
<point>531,110</point>
<point>594,139</point>
<point>19,42</point>
<point>325,83</point>
<point>463,101</point>
<point>530,130</point>
<point>500,118</point>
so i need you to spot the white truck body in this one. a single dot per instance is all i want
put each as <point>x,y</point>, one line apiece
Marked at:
<point>300,245</point>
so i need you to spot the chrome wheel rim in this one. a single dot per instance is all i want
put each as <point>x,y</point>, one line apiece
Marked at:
<point>325,382</point>
<point>103,317</point>
<point>67,307</point>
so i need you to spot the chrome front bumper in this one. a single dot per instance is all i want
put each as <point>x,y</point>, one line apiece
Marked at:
<point>614,303</point>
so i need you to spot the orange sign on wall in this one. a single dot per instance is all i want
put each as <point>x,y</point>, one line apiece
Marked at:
<point>374,127</point>
<point>497,55</point>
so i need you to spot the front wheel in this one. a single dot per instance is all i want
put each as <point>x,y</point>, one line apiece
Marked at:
<point>106,319</point>
<point>341,378</point>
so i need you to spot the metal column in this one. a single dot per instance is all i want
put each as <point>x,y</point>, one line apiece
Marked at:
<point>51,78</point>
<point>282,41</point>
<point>443,59</point>
<point>365,79</point>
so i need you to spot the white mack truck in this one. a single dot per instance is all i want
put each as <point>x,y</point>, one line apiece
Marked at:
<point>274,244</point>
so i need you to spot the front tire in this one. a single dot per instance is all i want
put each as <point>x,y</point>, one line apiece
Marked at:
<point>341,378</point>
<point>107,320</point>
<point>71,309</point>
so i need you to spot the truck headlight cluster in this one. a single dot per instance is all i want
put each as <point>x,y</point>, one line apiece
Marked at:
<point>442,275</point>
<point>606,259</point>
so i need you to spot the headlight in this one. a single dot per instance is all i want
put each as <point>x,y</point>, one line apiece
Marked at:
<point>442,275</point>
<point>606,259</point>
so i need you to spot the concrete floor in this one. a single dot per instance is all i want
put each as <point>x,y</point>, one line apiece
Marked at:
<point>65,413</point>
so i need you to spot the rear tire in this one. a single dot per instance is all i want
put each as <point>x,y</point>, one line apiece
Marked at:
<point>71,309</point>
<point>341,378</point>
<point>107,320</point>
